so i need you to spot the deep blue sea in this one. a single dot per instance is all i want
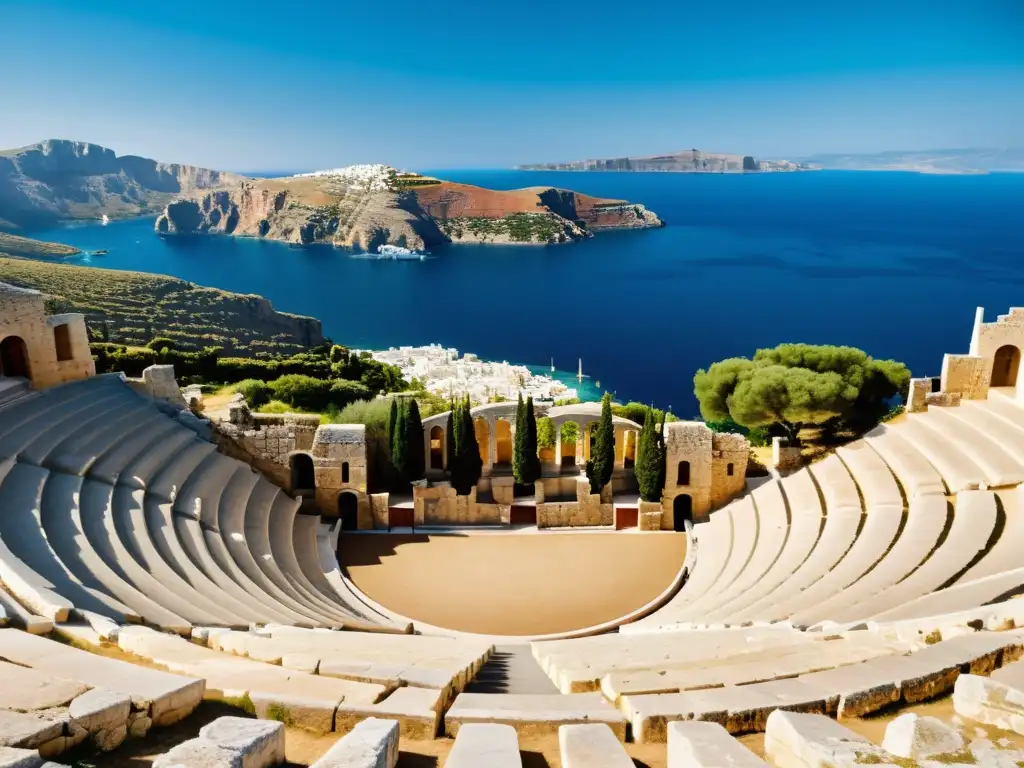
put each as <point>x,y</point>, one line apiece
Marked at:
<point>894,263</point>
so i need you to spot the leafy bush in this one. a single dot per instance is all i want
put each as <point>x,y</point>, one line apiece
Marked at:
<point>162,343</point>
<point>311,394</point>
<point>255,392</point>
<point>276,406</point>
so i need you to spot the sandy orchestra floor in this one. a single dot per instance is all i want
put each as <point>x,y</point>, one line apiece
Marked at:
<point>513,583</point>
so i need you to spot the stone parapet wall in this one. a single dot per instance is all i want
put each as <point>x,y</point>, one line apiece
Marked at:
<point>967,375</point>
<point>379,505</point>
<point>649,515</point>
<point>786,457</point>
<point>441,505</point>
<point>728,450</point>
<point>917,395</point>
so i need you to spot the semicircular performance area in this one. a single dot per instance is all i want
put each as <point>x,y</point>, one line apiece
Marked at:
<point>513,584</point>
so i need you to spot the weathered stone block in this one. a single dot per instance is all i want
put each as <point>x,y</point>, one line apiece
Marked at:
<point>920,738</point>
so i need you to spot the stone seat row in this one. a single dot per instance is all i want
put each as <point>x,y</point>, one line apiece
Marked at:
<point>867,533</point>
<point>840,687</point>
<point>118,510</point>
<point>54,696</point>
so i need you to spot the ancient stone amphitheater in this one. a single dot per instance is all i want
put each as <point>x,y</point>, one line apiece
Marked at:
<point>143,570</point>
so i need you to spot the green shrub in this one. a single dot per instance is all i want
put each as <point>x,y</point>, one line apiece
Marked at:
<point>255,392</point>
<point>276,406</point>
<point>161,342</point>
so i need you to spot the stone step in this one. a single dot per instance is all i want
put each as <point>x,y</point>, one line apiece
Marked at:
<point>591,746</point>
<point>371,744</point>
<point>707,745</point>
<point>533,714</point>
<point>485,744</point>
<point>230,741</point>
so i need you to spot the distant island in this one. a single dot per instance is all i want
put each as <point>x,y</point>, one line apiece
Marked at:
<point>688,161</point>
<point>940,161</point>
<point>366,207</point>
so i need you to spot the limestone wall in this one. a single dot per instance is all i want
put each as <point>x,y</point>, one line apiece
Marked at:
<point>339,466</point>
<point>919,390</point>
<point>23,317</point>
<point>379,503</point>
<point>687,441</point>
<point>441,505</point>
<point>967,375</point>
<point>729,455</point>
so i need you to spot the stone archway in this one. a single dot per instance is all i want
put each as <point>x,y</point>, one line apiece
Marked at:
<point>14,358</point>
<point>502,442</point>
<point>436,448</point>
<point>348,510</point>
<point>682,511</point>
<point>1005,366</point>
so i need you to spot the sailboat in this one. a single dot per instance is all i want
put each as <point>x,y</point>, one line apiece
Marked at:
<point>105,220</point>
<point>579,370</point>
<point>552,365</point>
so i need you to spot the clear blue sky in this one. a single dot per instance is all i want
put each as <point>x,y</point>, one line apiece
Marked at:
<point>259,85</point>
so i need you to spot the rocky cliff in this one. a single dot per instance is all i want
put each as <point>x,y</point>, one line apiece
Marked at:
<point>58,180</point>
<point>690,161</point>
<point>416,214</point>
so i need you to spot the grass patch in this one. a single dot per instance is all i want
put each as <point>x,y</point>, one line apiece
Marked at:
<point>242,702</point>
<point>933,637</point>
<point>281,714</point>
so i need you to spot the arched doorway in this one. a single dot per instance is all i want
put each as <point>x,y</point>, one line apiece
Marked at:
<point>682,511</point>
<point>303,477</point>
<point>348,511</point>
<point>14,357</point>
<point>436,448</point>
<point>683,473</point>
<point>483,439</point>
<point>1005,366</point>
<point>503,442</point>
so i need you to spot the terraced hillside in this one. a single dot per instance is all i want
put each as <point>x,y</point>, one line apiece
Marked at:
<point>135,307</point>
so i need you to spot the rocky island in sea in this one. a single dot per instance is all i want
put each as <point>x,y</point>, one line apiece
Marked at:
<point>367,207</point>
<point>688,161</point>
<point>363,207</point>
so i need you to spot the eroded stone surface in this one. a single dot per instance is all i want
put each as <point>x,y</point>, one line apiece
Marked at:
<point>260,742</point>
<point>371,744</point>
<point>25,690</point>
<point>591,746</point>
<point>921,738</point>
<point>797,740</point>
<point>707,745</point>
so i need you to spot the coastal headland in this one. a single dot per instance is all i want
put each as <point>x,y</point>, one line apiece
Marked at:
<point>366,208</point>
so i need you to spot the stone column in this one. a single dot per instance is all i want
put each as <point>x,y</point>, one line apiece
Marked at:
<point>581,440</point>
<point>492,443</point>
<point>558,446</point>
<point>620,447</point>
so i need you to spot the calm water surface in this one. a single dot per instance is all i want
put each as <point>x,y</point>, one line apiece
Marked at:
<point>894,263</point>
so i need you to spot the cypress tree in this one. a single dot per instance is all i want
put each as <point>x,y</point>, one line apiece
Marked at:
<point>649,461</point>
<point>519,457</point>
<point>450,441</point>
<point>602,460</point>
<point>531,472</point>
<point>470,465</point>
<point>400,442</point>
<point>416,454</point>
<point>392,421</point>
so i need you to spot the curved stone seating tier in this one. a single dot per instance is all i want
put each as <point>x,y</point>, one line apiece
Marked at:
<point>962,596</point>
<point>917,476</point>
<point>772,531</point>
<point>744,519</point>
<point>926,521</point>
<point>533,714</point>
<point>108,467</point>
<point>14,613</point>
<point>705,745</point>
<point>805,527</point>
<point>974,522</point>
<point>1005,434</point>
<point>486,744</point>
<point>591,745</point>
<point>835,485</point>
<point>846,691</point>
<point>158,698</point>
<point>872,476</point>
<point>994,458</point>
<point>1000,405</point>
<point>98,524</point>
<point>1004,553</point>
<point>22,533</point>
<point>754,666</point>
<point>131,527</point>
<point>579,665</point>
<point>62,523</point>
<point>53,408</point>
<point>959,471</point>
<point>112,507</point>
<point>326,544</point>
<point>879,530</point>
<point>237,496</point>
<point>837,536</point>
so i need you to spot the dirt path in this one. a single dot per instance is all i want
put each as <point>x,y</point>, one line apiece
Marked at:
<point>513,584</point>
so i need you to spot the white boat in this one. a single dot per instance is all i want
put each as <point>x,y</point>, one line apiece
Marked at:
<point>105,220</point>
